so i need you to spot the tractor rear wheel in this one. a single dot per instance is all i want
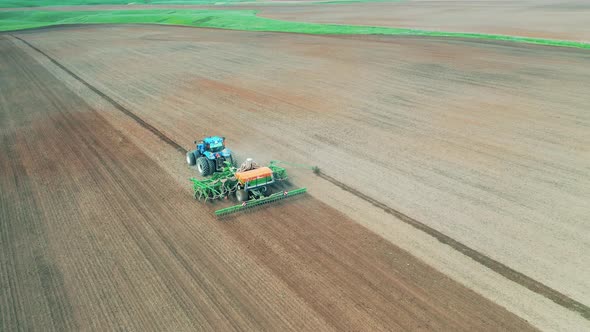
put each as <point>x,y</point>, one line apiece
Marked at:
<point>203,166</point>
<point>242,195</point>
<point>190,158</point>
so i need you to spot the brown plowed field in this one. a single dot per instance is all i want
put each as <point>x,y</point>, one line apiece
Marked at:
<point>485,142</point>
<point>95,234</point>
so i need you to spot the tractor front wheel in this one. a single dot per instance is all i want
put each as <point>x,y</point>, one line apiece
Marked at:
<point>212,165</point>
<point>190,158</point>
<point>203,166</point>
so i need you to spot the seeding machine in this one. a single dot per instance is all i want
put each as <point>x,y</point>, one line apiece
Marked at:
<point>253,185</point>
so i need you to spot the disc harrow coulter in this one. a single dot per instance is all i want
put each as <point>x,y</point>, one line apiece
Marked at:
<point>220,185</point>
<point>260,201</point>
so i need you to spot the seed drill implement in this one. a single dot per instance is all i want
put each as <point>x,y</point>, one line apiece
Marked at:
<point>253,185</point>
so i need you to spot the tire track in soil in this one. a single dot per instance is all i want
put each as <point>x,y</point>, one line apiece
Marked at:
<point>323,257</point>
<point>496,266</point>
<point>506,271</point>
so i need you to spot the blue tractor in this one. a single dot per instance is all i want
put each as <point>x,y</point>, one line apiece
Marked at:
<point>210,155</point>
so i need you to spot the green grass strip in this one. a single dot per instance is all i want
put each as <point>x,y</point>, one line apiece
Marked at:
<point>53,3</point>
<point>245,20</point>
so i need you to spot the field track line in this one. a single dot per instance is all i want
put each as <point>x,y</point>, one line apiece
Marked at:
<point>506,271</point>
<point>494,265</point>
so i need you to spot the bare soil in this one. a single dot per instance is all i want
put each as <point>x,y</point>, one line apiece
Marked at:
<point>485,142</point>
<point>96,234</point>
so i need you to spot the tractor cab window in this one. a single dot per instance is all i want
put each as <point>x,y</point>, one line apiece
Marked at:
<point>216,147</point>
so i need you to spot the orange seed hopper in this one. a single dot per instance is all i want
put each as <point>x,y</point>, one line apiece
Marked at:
<point>256,176</point>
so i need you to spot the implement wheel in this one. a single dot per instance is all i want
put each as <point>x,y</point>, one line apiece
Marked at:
<point>241,195</point>
<point>230,160</point>
<point>203,166</point>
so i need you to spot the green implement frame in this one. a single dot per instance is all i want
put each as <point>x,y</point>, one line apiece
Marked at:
<point>222,184</point>
<point>279,173</point>
<point>260,201</point>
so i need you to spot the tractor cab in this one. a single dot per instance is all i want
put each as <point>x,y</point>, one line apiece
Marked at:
<point>210,155</point>
<point>211,144</point>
